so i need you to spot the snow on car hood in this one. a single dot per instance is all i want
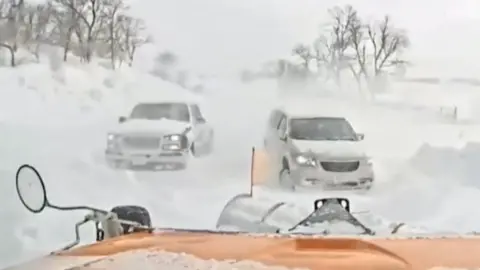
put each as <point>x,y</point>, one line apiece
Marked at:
<point>331,148</point>
<point>155,126</point>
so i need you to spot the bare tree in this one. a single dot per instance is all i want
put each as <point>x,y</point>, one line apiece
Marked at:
<point>11,15</point>
<point>386,42</point>
<point>36,27</point>
<point>112,12</point>
<point>331,48</point>
<point>82,27</point>
<point>66,22</point>
<point>348,44</point>
<point>376,47</point>
<point>359,66</point>
<point>133,36</point>
<point>304,53</point>
<point>85,22</point>
<point>93,24</point>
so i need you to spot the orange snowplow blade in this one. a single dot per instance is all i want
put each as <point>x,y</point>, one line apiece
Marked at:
<point>260,167</point>
<point>310,253</point>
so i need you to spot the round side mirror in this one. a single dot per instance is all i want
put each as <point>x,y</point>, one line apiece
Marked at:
<point>31,188</point>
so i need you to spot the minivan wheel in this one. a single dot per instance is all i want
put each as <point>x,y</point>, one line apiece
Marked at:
<point>285,179</point>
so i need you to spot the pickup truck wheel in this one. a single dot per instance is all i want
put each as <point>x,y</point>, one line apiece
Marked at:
<point>193,150</point>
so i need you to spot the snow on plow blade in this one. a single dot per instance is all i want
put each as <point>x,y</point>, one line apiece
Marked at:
<point>245,213</point>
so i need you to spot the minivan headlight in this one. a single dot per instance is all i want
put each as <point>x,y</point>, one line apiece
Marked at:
<point>304,160</point>
<point>366,161</point>
<point>369,162</point>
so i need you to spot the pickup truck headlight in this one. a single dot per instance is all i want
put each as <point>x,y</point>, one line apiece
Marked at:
<point>304,160</point>
<point>112,137</point>
<point>112,141</point>
<point>172,147</point>
<point>173,137</point>
<point>177,139</point>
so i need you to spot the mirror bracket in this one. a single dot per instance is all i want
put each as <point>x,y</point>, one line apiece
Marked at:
<point>77,236</point>
<point>110,225</point>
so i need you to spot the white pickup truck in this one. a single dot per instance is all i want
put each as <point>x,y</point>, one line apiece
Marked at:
<point>160,135</point>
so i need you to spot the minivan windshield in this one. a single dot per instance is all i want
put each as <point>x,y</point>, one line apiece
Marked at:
<point>157,111</point>
<point>321,128</point>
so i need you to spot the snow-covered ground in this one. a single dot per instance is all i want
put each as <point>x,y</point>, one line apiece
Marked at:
<point>57,119</point>
<point>429,186</point>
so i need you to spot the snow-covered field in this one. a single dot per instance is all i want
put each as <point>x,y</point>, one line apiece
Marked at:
<point>57,120</point>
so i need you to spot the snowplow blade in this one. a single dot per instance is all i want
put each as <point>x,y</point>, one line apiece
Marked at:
<point>247,214</point>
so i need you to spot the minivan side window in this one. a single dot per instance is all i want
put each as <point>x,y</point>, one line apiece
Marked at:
<point>282,126</point>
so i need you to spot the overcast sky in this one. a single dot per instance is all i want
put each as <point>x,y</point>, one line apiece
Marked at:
<point>225,35</point>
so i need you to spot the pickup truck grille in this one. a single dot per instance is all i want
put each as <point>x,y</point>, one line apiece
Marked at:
<point>339,166</point>
<point>141,142</point>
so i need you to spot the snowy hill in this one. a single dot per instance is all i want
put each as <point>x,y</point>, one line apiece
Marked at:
<point>58,120</point>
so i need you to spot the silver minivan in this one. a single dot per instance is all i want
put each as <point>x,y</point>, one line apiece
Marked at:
<point>309,150</point>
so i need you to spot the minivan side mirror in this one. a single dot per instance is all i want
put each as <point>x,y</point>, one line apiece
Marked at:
<point>200,120</point>
<point>360,136</point>
<point>122,119</point>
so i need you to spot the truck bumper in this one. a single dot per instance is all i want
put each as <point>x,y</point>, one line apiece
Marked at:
<point>151,160</point>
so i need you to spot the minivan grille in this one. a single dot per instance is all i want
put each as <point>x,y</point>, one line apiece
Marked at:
<point>339,166</point>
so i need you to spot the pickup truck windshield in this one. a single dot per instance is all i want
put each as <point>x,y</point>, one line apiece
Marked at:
<point>321,129</point>
<point>157,111</point>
